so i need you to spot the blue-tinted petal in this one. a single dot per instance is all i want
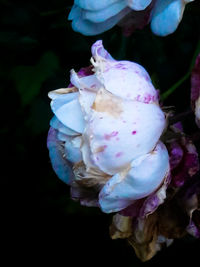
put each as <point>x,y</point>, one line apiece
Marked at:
<point>104,14</point>
<point>144,177</point>
<point>56,124</point>
<point>74,13</point>
<point>94,5</point>
<point>70,114</point>
<point>166,16</point>
<point>89,28</point>
<point>138,4</point>
<point>59,163</point>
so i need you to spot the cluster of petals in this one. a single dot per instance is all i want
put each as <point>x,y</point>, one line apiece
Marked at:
<point>92,17</point>
<point>104,137</point>
<point>172,211</point>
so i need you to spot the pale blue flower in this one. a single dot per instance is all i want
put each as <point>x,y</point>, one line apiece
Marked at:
<point>92,17</point>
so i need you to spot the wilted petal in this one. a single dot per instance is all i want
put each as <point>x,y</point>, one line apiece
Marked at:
<point>193,230</point>
<point>88,87</point>
<point>145,206</point>
<point>98,51</point>
<point>176,154</point>
<point>138,4</point>
<point>144,238</point>
<point>87,196</point>
<point>121,227</point>
<point>61,166</point>
<point>167,15</point>
<point>154,200</point>
<point>72,149</point>
<point>144,177</point>
<point>89,176</point>
<point>187,164</point>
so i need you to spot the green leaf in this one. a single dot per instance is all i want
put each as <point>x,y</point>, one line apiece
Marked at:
<point>29,79</point>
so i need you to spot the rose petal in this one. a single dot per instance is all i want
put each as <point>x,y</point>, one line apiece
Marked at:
<point>139,4</point>
<point>104,14</point>
<point>56,124</point>
<point>66,107</point>
<point>121,227</point>
<point>79,24</point>
<point>98,51</point>
<point>60,165</point>
<point>94,5</point>
<point>144,177</point>
<point>123,78</point>
<point>166,16</point>
<point>117,131</point>
<point>72,149</point>
<point>88,87</point>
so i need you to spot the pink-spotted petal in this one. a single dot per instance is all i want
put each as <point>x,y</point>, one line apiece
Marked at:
<point>120,131</point>
<point>144,177</point>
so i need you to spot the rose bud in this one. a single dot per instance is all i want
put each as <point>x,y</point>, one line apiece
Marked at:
<point>106,127</point>
<point>92,17</point>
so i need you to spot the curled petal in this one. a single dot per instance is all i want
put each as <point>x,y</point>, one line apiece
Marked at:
<point>125,79</point>
<point>98,51</point>
<point>86,27</point>
<point>60,165</point>
<point>88,87</point>
<point>144,177</point>
<point>56,124</point>
<point>141,208</point>
<point>121,227</point>
<point>166,16</point>
<point>66,107</point>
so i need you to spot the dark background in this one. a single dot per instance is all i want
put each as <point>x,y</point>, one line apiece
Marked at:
<point>37,50</point>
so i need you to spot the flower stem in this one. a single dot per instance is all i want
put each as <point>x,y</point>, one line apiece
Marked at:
<point>185,77</point>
